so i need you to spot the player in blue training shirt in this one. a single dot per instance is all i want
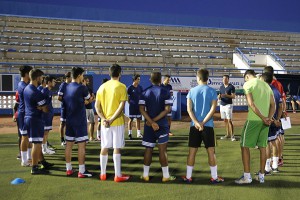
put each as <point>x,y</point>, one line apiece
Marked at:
<point>60,93</point>
<point>274,129</point>
<point>74,98</point>
<point>166,85</point>
<point>43,84</point>
<point>134,92</point>
<point>154,106</point>
<point>201,106</point>
<point>35,105</point>
<point>25,146</point>
<point>48,117</point>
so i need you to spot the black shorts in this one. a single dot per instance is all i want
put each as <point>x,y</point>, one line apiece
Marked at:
<point>207,135</point>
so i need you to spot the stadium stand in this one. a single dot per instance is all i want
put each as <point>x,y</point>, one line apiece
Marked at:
<point>70,42</point>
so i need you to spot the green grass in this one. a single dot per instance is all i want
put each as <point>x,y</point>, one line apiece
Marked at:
<point>284,185</point>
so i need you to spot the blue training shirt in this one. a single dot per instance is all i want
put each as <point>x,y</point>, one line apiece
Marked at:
<point>48,96</point>
<point>40,88</point>
<point>33,98</point>
<point>73,98</point>
<point>21,87</point>
<point>278,99</point>
<point>134,94</point>
<point>202,96</point>
<point>61,91</point>
<point>155,98</point>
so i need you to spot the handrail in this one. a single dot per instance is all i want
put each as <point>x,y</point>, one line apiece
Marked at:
<point>267,51</point>
<point>243,56</point>
<point>276,58</point>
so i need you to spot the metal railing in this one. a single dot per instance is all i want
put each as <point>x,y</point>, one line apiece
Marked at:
<point>253,50</point>
<point>244,58</point>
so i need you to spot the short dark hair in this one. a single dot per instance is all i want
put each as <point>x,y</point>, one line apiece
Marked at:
<point>24,69</point>
<point>86,78</point>
<point>249,72</point>
<point>136,76</point>
<point>269,69</point>
<point>115,70</point>
<point>167,76</point>
<point>44,79</point>
<point>49,79</point>
<point>68,75</point>
<point>77,71</point>
<point>155,77</point>
<point>226,76</point>
<point>268,77</point>
<point>35,73</point>
<point>203,74</point>
<point>104,80</point>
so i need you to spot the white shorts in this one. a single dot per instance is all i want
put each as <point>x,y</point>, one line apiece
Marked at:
<point>226,111</point>
<point>90,116</point>
<point>112,137</point>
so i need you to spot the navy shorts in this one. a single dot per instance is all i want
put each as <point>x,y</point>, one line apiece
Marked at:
<point>35,129</point>
<point>48,118</point>
<point>134,111</point>
<point>76,133</point>
<point>20,124</point>
<point>63,114</point>
<point>273,132</point>
<point>281,131</point>
<point>150,136</point>
<point>19,133</point>
<point>207,135</point>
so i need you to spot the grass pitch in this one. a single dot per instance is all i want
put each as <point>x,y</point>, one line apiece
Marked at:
<point>284,185</point>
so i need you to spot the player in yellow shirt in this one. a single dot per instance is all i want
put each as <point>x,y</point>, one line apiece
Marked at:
<point>110,102</point>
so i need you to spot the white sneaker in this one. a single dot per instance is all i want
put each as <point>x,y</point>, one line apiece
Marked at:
<point>243,180</point>
<point>27,164</point>
<point>224,137</point>
<point>259,178</point>
<point>48,151</point>
<point>139,136</point>
<point>233,139</point>
<point>63,144</point>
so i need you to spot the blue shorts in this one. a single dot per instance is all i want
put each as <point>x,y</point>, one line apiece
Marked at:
<point>134,111</point>
<point>281,131</point>
<point>20,124</point>
<point>295,98</point>
<point>48,118</point>
<point>63,115</point>
<point>273,133</point>
<point>35,129</point>
<point>76,133</point>
<point>150,136</point>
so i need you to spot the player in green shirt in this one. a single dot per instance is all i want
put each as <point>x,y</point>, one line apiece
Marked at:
<point>255,132</point>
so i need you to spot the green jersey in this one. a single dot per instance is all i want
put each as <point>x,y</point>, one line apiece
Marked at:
<point>261,93</point>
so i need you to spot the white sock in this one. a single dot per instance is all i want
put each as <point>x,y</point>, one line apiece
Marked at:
<point>138,132</point>
<point>98,132</point>
<point>129,132</point>
<point>247,175</point>
<point>29,153</point>
<point>189,171</point>
<point>146,171</point>
<point>44,147</point>
<point>103,163</point>
<point>261,175</point>
<point>268,165</point>
<point>214,171</point>
<point>69,166</point>
<point>24,156</point>
<point>82,168</point>
<point>275,162</point>
<point>117,164</point>
<point>165,171</point>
